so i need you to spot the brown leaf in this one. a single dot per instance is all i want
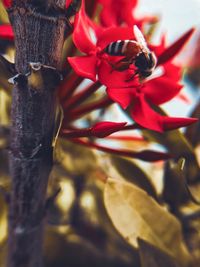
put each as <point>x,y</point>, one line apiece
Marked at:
<point>176,190</point>
<point>136,215</point>
<point>132,173</point>
<point>152,256</point>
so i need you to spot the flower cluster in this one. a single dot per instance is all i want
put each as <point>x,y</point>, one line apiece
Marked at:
<point>108,60</point>
<point>130,93</point>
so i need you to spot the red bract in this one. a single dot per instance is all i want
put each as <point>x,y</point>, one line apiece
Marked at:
<point>7,3</point>
<point>6,32</point>
<point>170,52</point>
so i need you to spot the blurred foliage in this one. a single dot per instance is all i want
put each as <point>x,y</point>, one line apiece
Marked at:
<point>193,130</point>
<point>133,173</point>
<point>151,256</point>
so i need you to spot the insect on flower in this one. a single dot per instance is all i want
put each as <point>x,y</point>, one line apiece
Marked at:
<point>134,52</point>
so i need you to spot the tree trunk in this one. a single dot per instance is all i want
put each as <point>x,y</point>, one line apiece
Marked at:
<point>39,35</point>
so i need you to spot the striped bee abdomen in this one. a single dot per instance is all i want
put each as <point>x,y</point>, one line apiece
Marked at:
<point>116,48</point>
<point>122,47</point>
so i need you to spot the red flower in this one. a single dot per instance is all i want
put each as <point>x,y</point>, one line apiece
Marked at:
<point>87,40</point>
<point>7,3</point>
<point>138,97</point>
<point>6,32</point>
<point>133,95</point>
<point>92,41</point>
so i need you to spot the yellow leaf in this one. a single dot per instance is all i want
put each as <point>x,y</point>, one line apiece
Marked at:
<point>5,103</point>
<point>137,215</point>
<point>3,14</point>
<point>3,221</point>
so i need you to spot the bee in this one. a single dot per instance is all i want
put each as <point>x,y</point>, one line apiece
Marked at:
<point>134,52</point>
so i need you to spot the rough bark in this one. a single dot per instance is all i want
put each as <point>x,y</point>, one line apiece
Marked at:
<point>39,35</point>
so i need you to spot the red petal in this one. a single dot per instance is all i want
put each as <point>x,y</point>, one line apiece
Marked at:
<point>113,78</point>
<point>107,19</point>
<point>6,32</point>
<point>161,90</point>
<point>144,115</point>
<point>7,3</point>
<point>84,66</point>
<point>170,123</point>
<point>173,71</point>
<point>68,2</point>
<point>114,34</point>
<point>103,129</point>
<point>81,35</point>
<point>175,48</point>
<point>123,96</point>
<point>97,29</point>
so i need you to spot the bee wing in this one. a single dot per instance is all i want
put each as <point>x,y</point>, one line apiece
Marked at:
<point>140,38</point>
